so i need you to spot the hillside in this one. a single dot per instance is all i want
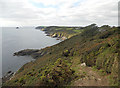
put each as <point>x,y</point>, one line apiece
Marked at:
<point>88,56</point>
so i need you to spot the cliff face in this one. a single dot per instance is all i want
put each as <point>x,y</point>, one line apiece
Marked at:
<point>62,33</point>
<point>96,47</point>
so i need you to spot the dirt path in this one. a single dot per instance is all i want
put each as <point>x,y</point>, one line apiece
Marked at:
<point>89,77</point>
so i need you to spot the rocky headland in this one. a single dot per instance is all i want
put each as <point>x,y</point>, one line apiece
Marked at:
<point>60,33</point>
<point>35,53</point>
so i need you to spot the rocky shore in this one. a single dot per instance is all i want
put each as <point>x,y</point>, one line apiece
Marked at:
<point>48,32</point>
<point>35,53</point>
<point>57,36</point>
<point>8,76</point>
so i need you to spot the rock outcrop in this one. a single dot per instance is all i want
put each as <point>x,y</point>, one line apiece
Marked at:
<point>35,53</point>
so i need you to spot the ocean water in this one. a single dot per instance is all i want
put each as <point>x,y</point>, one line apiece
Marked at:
<point>0,54</point>
<point>14,40</point>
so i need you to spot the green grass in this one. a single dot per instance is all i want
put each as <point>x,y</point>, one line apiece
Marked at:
<point>78,31</point>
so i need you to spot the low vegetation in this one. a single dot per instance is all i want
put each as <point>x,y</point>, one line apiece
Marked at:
<point>97,47</point>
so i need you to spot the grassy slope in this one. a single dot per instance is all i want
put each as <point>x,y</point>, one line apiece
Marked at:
<point>98,50</point>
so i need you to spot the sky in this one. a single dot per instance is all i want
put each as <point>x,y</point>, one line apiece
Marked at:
<point>58,12</point>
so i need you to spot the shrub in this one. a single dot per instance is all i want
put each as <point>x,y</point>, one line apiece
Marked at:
<point>66,53</point>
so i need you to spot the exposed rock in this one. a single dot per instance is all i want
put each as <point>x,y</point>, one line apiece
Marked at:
<point>9,72</point>
<point>58,39</point>
<point>83,64</point>
<point>63,38</point>
<point>39,27</point>
<point>8,76</point>
<point>17,27</point>
<point>99,79</point>
<point>25,52</point>
<point>48,34</point>
<point>54,35</point>
<point>35,53</point>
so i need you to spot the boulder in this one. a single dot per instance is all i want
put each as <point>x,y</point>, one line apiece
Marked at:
<point>83,64</point>
<point>9,72</point>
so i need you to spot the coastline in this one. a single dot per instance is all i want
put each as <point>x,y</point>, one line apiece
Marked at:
<point>91,43</point>
<point>60,33</point>
<point>34,53</point>
<point>8,76</point>
<point>55,35</point>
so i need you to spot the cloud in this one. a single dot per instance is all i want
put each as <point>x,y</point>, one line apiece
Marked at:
<point>58,12</point>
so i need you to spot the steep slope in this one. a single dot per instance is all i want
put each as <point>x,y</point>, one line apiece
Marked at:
<point>97,47</point>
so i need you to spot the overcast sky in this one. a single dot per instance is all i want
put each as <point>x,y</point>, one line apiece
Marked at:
<point>58,12</point>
